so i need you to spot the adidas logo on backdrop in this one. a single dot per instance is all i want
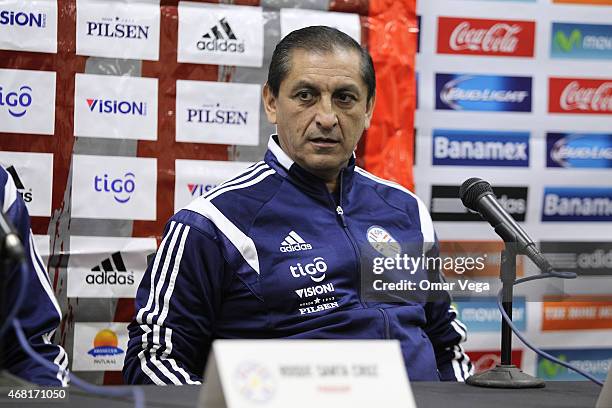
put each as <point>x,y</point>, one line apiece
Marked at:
<point>221,38</point>
<point>293,243</point>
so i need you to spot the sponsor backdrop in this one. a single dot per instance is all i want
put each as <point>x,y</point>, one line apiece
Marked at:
<point>519,93</point>
<point>115,114</point>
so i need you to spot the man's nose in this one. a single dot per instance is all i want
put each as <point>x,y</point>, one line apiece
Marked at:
<point>326,116</point>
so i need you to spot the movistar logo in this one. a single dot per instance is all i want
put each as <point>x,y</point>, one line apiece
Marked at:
<point>567,44</point>
<point>550,369</point>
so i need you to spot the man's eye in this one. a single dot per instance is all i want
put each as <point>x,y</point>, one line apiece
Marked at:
<point>304,96</point>
<point>345,98</point>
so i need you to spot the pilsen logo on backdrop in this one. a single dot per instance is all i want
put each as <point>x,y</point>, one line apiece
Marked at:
<point>580,95</point>
<point>473,36</point>
<point>116,27</point>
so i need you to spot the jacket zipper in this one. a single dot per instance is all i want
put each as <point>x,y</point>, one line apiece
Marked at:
<point>387,327</point>
<point>340,213</point>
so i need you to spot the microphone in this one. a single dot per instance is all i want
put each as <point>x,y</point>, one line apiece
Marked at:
<point>477,195</point>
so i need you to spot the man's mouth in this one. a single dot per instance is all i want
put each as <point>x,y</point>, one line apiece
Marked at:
<point>324,142</point>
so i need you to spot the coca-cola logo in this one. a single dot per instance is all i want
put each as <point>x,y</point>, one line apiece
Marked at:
<point>485,37</point>
<point>575,97</point>
<point>500,37</point>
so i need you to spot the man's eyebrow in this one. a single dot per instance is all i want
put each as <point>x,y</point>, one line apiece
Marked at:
<point>303,84</point>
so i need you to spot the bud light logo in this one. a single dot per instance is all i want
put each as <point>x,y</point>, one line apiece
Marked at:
<point>121,187</point>
<point>490,93</point>
<point>579,150</point>
<point>581,41</point>
<point>105,343</point>
<point>17,102</point>
<point>215,114</point>
<point>114,106</point>
<point>21,19</point>
<point>577,204</point>
<point>480,148</point>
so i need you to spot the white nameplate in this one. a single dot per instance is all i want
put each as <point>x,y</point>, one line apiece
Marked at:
<point>306,373</point>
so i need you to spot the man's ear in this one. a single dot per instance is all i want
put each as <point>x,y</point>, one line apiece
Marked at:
<point>370,111</point>
<point>269,102</point>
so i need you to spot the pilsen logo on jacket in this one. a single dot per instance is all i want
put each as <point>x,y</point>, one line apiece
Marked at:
<point>473,36</point>
<point>580,95</point>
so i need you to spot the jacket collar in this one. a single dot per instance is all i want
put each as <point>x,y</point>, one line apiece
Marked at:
<point>279,160</point>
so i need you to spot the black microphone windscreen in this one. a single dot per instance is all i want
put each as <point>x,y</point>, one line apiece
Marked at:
<point>472,189</point>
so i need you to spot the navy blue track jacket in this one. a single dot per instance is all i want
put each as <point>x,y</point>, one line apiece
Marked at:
<point>39,314</point>
<point>272,254</point>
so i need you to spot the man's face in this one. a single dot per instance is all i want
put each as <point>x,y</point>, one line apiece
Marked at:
<point>321,110</point>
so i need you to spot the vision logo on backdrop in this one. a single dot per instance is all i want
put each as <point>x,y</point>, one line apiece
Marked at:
<point>28,26</point>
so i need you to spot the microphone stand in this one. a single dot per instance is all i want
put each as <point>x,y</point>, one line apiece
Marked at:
<point>506,375</point>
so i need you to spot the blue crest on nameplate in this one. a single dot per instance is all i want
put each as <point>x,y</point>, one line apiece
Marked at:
<point>383,242</point>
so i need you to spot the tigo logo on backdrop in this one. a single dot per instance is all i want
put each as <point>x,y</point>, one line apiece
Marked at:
<point>480,148</point>
<point>28,25</point>
<point>592,361</point>
<point>577,204</point>
<point>17,102</point>
<point>118,29</point>
<point>27,101</point>
<point>579,150</point>
<point>447,206</point>
<point>33,177</point>
<point>483,93</point>
<point>588,258</point>
<point>107,266</point>
<point>196,177</point>
<point>115,107</point>
<point>110,187</point>
<point>472,36</point>
<point>577,313</point>
<point>121,187</point>
<point>217,112</point>
<point>580,95</point>
<point>109,341</point>
<point>220,34</point>
<point>482,315</point>
<point>585,41</point>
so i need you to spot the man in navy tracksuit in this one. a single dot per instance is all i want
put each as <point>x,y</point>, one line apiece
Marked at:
<point>39,314</point>
<point>276,252</point>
